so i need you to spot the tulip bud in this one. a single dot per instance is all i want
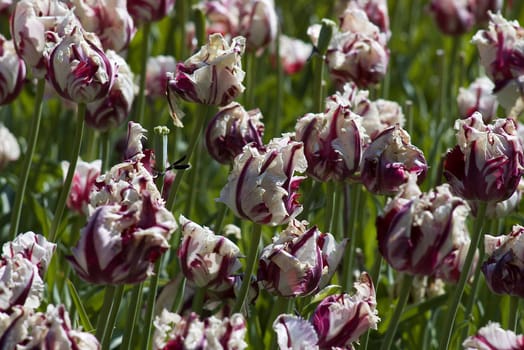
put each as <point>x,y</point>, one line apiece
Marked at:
<point>207,260</point>
<point>502,40</point>
<point>156,75</point>
<point>494,337</point>
<point>79,70</point>
<point>262,186</point>
<point>173,331</point>
<point>487,163</point>
<point>478,97</point>
<point>111,110</point>
<point>258,24</point>
<point>108,19</point>
<point>12,72</point>
<point>504,268</point>
<point>213,76</point>
<point>451,16</point>
<point>333,141</point>
<point>388,161</point>
<point>144,11</point>
<point>294,53</point>
<point>83,183</point>
<point>9,148</point>
<point>417,232</point>
<point>231,129</point>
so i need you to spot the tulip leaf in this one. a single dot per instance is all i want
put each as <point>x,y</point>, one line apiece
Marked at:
<point>84,319</point>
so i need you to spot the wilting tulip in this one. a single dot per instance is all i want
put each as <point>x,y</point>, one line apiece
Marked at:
<point>231,129</point>
<point>262,187</point>
<point>207,260</point>
<point>501,54</point>
<point>108,19</point>
<point>9,148</point>
<point>333,141</point>
<point>78,69</point>
<point>294,54</point>
<point>296,263</point>
<point>487,163</point>
<point>156,75</point>
<point>504,268</point>
<point>493,337</point>
<point>30,23</point>
<point>112,110</point>
<point>12,72</point>
<point>453,17</point>
<point>478,97</point>
<point>417,232</point>
<point>149,10</point>
<point>213,76</point>
<point>173,331</point>
<point>83,183</point>
<point>389,159</point>
<point>27,329</point>
<point>33,247</point>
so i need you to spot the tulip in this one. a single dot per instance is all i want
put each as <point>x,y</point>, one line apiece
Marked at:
<point>388,161</point>
<point>262,186</point>
<point>108,19</point>
<point>295,333</point>
<point>482,8</point>
<point>83,183</point>
<point>493,337</point>
<point>149,10</point>
<point>110,111</point>
<point>500,49</point>
<point>33,247</point>
<point>173,331</point>
<point>156,75</point>
<point>417,232</point>
<point>453,17</point>
<point>478,97</point>
<point>333,141</point>
<point>231,129</point>
<point>20,283</point>
<point>487,163</point>
<point>12,72</point>
<point>5,4</point>
<point>207,260</point>
<point>9,148</point>
<point>78,69</point>
<point>294,53</point>
<point>377,12</point>
<point>504,267</point>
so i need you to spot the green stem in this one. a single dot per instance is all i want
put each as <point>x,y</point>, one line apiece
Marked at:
<point>375,275</point>
<point>318,87</point>
<point>250,268</point>
<point>249,96</point>
<point>151,300</point>
<point>513,313</point>
<point>105,150</point>
<point>198,301</point>
<point>402,300</point>
<point>459,288</point>
<point>179,298</point>
<point>353,210</point>
<point>221,215</point>
<point>330,206</point>
<point>134,307</point>
<point>193,180</point>
<point>79,132</point>
<point>140,105</point>
<point>110,324</point>
<point>280,88</point>
<point>103,316</point>
<point>33,139</point>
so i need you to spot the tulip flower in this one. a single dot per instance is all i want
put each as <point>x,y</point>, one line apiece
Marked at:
<point>453,17</point>
<point>295,333</point>
<point>9,148</point>
<point>262,186</point>
<point>12,72</point>
<point>156,75</point>
<point>487,163</point>
<point>388,161</point>
<point>20,283</point>
<point>482,8</point>
<point>207,260</point>
<point>173,331</point>
<point>493,337</point>
<point>78,69</point>
<point>108,19</point>
<point>110,111</point>
<point>231,129</point>
<point>83,183</point>
<point>149,10</point>
<point>478,97</point>
<point>504,267</point>
<point>33,247</point>
<point>294,53</point>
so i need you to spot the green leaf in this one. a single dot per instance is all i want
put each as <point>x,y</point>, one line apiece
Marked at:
<point>84,319</point>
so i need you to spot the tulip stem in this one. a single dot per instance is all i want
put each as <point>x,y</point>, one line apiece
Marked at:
<point>111,318</point>
<point>104,311</point>
<point>402,300</point>
<point>318,87</point>
<point>250,80</point>
<point>330,206</point>
<point>179,298</point>
<point>221,215</point>
<point>250,268</point>
<point>104,151</point>
<point>33,138</point>
<point>151,300</point>
<point>134,307</point>
<point>64,193</point>
<point>459,288</point>
<point>140,105</point>
<point>277,115</point>
<point>353,209</point>
<point>513,313</point>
